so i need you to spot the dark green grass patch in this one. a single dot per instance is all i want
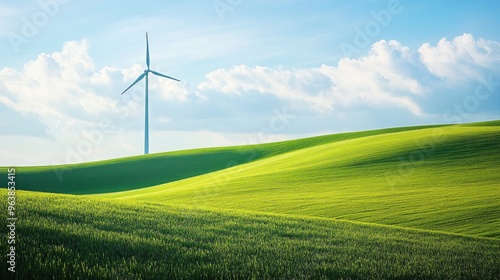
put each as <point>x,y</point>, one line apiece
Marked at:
<point>71,237</point>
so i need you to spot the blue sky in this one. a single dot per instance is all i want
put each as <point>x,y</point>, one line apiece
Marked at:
<point>251,71</point>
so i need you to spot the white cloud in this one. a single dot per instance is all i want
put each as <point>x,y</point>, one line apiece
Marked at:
<point>288,85</point>
<point>379,79</point>
<point>52,89</point>
<point>171,90</point>
<point>106,75</point>
<point>462,59</point>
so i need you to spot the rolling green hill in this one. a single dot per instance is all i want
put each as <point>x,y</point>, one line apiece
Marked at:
<point>439,178</point>
<point>145,171</point>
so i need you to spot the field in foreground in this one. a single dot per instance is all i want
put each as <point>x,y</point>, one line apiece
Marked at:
<point>71,237</point>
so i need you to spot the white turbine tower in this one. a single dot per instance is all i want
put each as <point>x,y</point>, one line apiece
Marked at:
<point>146,112</point>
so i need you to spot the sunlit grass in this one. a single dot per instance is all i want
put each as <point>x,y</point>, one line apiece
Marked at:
<point>71,237</point>
<point>444,178</point>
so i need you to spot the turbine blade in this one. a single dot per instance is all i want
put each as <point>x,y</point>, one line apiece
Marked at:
<point>135,82</point>
<point>147,50</point>
<point>162,75</point>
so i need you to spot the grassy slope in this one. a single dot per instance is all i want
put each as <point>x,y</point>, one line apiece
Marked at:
<point>145,171</point>
<point>444,178</point>
<point>358,176</point>
<point>71,237</point>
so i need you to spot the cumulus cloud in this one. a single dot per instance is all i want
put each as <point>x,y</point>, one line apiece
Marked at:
<point>302,85</point>
<point>52,84</point>
<point>63,89</point>
<point>378,79</point>
<point>462,59</point>
<point>390,76</point>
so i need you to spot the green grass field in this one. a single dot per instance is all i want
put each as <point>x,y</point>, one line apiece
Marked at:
<point>401,203</point>
<point>71,237</point>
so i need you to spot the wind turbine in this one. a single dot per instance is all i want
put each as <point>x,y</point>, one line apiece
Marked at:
<point>146,110</point>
